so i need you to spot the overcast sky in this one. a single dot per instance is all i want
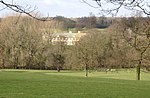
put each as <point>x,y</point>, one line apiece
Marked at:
<point>67,8</point>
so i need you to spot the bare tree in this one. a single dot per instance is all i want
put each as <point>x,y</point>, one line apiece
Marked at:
<point>58,55</point>
<point>21,44</point>
<point>91,51</point>
<point>136,32</point>
<point>85,54</point>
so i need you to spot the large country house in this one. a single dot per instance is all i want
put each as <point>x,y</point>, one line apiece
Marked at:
<point>66,38</point>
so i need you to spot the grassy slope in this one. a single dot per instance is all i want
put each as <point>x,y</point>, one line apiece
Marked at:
<point>49,84</point>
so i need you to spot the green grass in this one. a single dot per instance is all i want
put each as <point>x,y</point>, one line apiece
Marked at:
<point>72,84</point>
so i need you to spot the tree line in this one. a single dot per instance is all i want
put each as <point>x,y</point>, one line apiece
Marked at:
<point>125,44</point>
<point>80,23</point>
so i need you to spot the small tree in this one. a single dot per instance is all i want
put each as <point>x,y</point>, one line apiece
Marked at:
<point>58,61</point>
<point>90,50</point>
<point>84,51</point>
<point>58,55</point>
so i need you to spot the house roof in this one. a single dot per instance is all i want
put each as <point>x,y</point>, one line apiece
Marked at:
<point>64,34</point>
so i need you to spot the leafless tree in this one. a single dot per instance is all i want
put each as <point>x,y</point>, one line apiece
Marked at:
<point>136,32</point>
<point>58,55</point>
<point>21,44</point>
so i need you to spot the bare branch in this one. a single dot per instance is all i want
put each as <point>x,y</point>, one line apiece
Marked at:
<point>144,10</point>
<point>3,8</point>
<point>85,1</point>
<point>22,10</point>
<point>113,6</point>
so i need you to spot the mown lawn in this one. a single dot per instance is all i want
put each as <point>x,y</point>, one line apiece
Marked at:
<point>72,84</point>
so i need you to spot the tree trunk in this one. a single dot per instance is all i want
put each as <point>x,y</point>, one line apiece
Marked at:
<point>138,69</point>
<point>86,70</point>
<point>3,64</point>
<point>58,69</point>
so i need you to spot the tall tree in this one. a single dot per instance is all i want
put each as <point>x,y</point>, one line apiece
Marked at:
<point>136,32</point>
<point>20,42</point>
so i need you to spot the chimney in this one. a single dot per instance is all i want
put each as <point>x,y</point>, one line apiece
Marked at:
<point>79,31</point>
<point>70,31</point>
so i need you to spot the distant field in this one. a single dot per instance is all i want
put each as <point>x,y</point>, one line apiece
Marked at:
<point>72,84</point>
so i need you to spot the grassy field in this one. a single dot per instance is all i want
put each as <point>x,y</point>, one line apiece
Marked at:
<point>72,84</point>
